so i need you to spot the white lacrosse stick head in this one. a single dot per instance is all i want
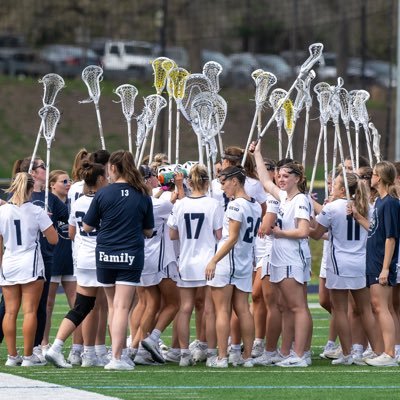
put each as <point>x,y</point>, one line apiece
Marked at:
<point>50,117</point>
<point>335,106</point>
<point>321,86</point>
<point>153,105</point>
<point>300,97</point>
<point>315,51</point>
<point>324,97</point>
<point>212,70</point>
<point>361,99</point>
<point>307,87</point>
<point>376,140</point>
<point>52,84</point>
<point>344,99</point>
<point>127,94</point>
<point>264,82</point>
<point>92,75</point>
<point>255,74</point>
<point>195,84</point>
<point>355,110</point>
<point>141,127</point>
<point>275,100</point>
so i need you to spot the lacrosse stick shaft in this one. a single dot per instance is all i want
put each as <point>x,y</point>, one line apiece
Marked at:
<point>209,166</point>
<point>103,144</point>
<point>200,148</point>
<point>305,143</point>
<point>253,125</point>
<point>153,137</point>
<point>129,135</point>
<point>280,141</point>
<point>368,141</point>
<point>278,108</point>
<point>326,161</point>
<point>142,149</point>
<point>177,137</point>
<point>289,150</point>
<point>357,146</point>
<point>35,149</point>
<point>341,154</point>
<point>221,146</point>
<point>46,191</point>
<point>169,128</point>
<point>350,147</point>
<point>314,170</point>
<point>334,157</point>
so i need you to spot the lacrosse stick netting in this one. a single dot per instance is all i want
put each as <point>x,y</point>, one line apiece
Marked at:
<point>50,117</point>
<point>275,99</point>
<point>127,94</point>
<point>160,73</point>
<point>289,122</point>
<point>212,70</point>
<point>376,140</point>
<point>92,75</point>
<point>308,104</point>
<point>52,84</point>
<point>344,98</point>
<point>361,99</point>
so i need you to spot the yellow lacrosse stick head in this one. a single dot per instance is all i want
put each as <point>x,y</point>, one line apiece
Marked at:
<point>167,65</point>
<point>160,74</point>
<point>288,116</point>
<point>178,77</point>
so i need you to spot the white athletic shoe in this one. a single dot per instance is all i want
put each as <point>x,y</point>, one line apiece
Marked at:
<point>153,349</point>
<point>13,361</point>
<point>89,361</point>
<point>172,356</point>
<point>37,351</point>
<point>163,347</point>
<point>293,361</point>
<point>32,361</point>
<point>216,362</point>
<point>102,360</point>
<point>127,359</point>
<point>343,360</point>
<point>279,357</point>
<point>307,357</point>
<point>333,353</point>
<point>329,348</point>
<point>120,365</point>
<point>57,359</point>
<point>186,360</point>
<point>45,348</point>
<point>193,344</point>
<point>265,358</point>
<point>258,349</point>
<point>234,357</point>
<point>74,357</point>
<point>199,353</point>
<point>384,360</point>
<point>245,362</point>
<point>144,358</point>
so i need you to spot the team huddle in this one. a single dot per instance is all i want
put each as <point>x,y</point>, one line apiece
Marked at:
<point>137,251</point>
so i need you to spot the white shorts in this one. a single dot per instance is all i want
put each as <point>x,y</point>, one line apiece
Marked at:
<point>87,278</point>
<point>191,284</point>
<point>63,278</point>
<point>150,279</point>
<point>265,266</point>
<point>22,281</point>
<point>334,281</point>
<point>171,272</point>
<point>243,284</point>
<point>278,274</point>
<point>322,270</point>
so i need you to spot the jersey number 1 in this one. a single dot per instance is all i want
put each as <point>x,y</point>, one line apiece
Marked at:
<point>350,221</point>
<point>17,224</point>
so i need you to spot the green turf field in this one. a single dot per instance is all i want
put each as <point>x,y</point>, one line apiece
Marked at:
<point>320,381</point>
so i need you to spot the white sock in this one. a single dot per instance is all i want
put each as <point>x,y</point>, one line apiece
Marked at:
<point>90,351</point>
<point>258,341</point>
<point>330,343</point>
<point>100,349</point>
<point>58,345</point>
<point>358,348</point>
<point>77,347</point>
<point>211,352</point>
<point>155,335</point>
<point>236,347</point>
<point>175,350</point>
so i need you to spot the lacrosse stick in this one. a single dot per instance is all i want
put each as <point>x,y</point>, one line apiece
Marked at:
<point>167,65</point>
<point>277,96</point>
<point>355,117</point>
<point>52,84</point>
<point>315,54</point>
<point>178,78</point>
<point>50,117</point>
<point>362,97</point>
<point>92,75</point>
<point>344,98</point>
<point>212,70</point>
<point>289,121</point>
<point>376,140</point>
<point>264,82</point>
<point>335,114</point>
<point>140,133</point>
<point>153,105</point>
<point>127,94</point>
<point>308,104</point>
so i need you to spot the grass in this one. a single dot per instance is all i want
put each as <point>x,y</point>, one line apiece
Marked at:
<point>320,380</point>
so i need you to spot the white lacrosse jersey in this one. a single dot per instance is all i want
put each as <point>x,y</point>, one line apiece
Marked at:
<point>286,252</point>
<point>347,238</point>
<point>75,191</point>
<point>196,219</point>
<point>159,249</point>
<point>238,263</point>
<point>85,243</point>
<point>263,246</point>
<point>21,227</point>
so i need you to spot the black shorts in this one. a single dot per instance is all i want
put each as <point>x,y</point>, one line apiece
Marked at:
<point>373,279</point>
<point>110,276</point>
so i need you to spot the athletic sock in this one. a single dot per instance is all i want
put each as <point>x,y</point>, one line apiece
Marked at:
<point>100,349</point>
<point>58,345</point>
<point>258,341</point>
<point>155,335</point>
<point>236,347</point>
<point>90,351</point>
<point>175,350</point>
<point>77,348</point>
<point>184,352</point>
<point>203,345</point>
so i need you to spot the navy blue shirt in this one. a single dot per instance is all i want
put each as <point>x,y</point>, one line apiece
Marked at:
<point>384,224</point>
<point>120,213</point>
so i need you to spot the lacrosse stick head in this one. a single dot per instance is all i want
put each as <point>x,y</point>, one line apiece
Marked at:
<point>141,127</point>
<point>275,100</point>
<point>195,84</point>
<point>360,100</point>
<point>212,70</point>
<point>335,105</point>
<point>300,97</point>
<point>153,105</point>
<point>160,74</point>
<point>52,84</point>
<point>355,109</point>
<point>255,74</point>
<point>315,51</point>
<point>306,88</point>
<point>50,117</point>
<point>344,99</point>
<point>178,78</point>
<point>321,86</point>
<point>167,65</point>
<point>264,82</point>
<point>92,75</point>
<point>376,140</point>
<point>127,94</point>
<point>324,98</point>
<point>288,116</point>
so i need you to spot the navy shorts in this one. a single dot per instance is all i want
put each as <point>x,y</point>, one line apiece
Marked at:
<point>110,276</point>
<point>373,279</point>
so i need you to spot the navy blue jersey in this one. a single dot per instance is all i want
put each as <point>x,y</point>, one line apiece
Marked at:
<point>120,213</point>
<point>62,262</point>
<point>384,224</point>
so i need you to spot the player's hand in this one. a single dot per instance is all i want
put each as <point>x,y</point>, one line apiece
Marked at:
<point>210,270</point>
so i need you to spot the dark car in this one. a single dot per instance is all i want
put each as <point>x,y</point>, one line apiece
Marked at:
<point>26,62</point>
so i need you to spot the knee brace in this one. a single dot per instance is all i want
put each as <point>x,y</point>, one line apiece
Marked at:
<point>82,307</point>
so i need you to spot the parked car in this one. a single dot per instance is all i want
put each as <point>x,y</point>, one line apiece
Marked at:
<point>275,64</point>
<point>176,53</point>
<point>243,64</point>
<point>222,59</point>
<point>26,62</point>
<point>382,72</point>
<point>9,45</point>
<point>68,60</point>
